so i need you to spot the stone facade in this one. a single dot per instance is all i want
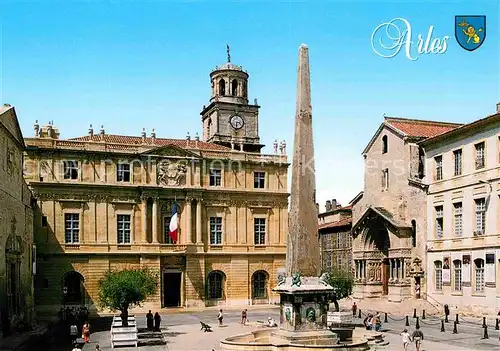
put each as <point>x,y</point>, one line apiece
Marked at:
<point>463,258</point>
<point>106,202</point>
<point>335,237</point>
<point>16,228</point>
<point>389,219</point>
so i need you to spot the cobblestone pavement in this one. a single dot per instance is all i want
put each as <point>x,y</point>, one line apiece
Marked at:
<point>183,332</point>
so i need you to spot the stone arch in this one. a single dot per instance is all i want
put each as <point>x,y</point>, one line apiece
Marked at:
<point>216,285</point>
<point>73,288</point>
<point>260,287</point>
<point>222,87</point>
<point>234,87</point>
<point>376,237</point>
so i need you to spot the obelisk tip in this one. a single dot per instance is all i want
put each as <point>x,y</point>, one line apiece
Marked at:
<point>303,46</point>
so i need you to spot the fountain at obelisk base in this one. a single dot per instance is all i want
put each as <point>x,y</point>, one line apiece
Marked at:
<point>304,295</point>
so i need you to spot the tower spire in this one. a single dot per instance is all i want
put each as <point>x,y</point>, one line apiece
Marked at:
<point>303,250</point>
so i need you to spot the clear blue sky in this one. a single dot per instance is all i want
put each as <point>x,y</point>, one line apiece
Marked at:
<point>146,64</point>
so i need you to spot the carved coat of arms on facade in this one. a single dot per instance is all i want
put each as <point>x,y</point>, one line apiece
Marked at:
<point>171,173</point>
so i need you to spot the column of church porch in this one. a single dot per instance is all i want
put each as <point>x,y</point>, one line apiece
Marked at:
<point>154,224</point>
<point>189,228</point>
<point>391,275</point>
<point>198,222</point>
<point>144,219</point>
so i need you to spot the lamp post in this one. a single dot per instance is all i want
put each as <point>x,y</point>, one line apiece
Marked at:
<point>65,292</point>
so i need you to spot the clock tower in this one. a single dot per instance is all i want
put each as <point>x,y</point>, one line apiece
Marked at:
<point>229,119</point>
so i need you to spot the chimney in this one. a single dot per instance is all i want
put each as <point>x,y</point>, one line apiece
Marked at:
<point>328,205</point>
<point>498,107</point>
<point>334,204</point>
<point>188,137</point>
<point>36,126</point>
<point>317,207</point>
<point>153,135</point>
<point>197,137</point>
<point>283,147</point>
<point>143,135</point>
<point>102,130</point>
<point>91,131</point>
<point>275,146</point>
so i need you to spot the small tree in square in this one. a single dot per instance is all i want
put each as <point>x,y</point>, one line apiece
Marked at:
<point>121,290</point>
<point>342,283</point>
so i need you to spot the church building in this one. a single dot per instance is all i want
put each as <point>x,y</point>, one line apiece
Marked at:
<point>106,202</point>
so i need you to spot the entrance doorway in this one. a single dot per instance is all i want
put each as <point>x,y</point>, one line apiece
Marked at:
<point>417,287</point>
<point>172,289</point>
<point>385,277</point>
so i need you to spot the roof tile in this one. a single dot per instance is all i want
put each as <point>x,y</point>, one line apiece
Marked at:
<point>420,128</point>
<point>337,224</point>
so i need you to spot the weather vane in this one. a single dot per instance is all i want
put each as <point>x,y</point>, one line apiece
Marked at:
<point>228,53</point>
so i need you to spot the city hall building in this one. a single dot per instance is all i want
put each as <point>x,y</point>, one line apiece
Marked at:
<point>106,202</point>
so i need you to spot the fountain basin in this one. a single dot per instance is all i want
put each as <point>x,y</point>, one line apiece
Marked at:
<point>268,340</point>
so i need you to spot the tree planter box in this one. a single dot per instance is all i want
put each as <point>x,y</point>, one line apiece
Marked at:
<point>124,336</point>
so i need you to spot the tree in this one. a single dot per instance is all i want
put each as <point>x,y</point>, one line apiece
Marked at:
<point>121,290</point>
<point>342,283</point>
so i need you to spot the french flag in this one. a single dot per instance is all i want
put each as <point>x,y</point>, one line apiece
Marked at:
<point>174,224</point>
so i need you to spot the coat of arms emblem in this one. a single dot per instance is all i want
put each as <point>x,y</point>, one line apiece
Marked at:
<point>470,31</point>
<point>171,173</point>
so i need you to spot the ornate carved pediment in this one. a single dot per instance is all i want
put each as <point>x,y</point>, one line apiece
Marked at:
<point>171,172</point>
<point>170,150</point>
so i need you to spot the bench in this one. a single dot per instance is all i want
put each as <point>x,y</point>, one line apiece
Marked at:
<point>205,327</point>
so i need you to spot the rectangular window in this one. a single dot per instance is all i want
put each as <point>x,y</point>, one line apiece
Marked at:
<point>259,225</point>
<point>479,272</point>
<point>71,228</point>
<point>44,221</point>
<point>385,178</point>
<point>166,230</point>
<point>327,260</point>
<point>439,222</point>
<point>339,240</point>
<point>438,267</point>
<point>259,179</point>
<point>480,216</point>
<point>457,275</point>
<point>123,172</point>
<point>457,158</point>
<point>457,207</point>
<point>439,167</point>
<point>123,229</point>
<point>215,230</point>
<point>215,177</point>
<point>339,261</point>
<point>479,155</point>
<point>70,169</point>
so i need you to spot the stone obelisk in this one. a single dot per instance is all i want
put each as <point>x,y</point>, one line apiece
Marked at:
<point>303,253</point>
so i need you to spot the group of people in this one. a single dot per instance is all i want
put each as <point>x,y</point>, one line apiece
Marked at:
<point>73,332</point>
<point>417,337</point>
<point>373,322</point>
<point>153,322</point>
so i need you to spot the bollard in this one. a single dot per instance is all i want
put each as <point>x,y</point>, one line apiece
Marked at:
<point>414,313</point>
<point>456,319</point>
<point>407,322</point>
<point>417,324</point>
<point>485,336</point>
<point>359,314</point>
<point>423,314</point>
<point>385,318</point>
<point>484,322</point>
<point>455,331</point>
<point>442,326</point>
<point>446,319</point>
<point>497,327</point>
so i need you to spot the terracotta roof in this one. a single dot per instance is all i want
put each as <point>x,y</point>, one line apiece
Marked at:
<point>342,223</point>
<point>420,128</point>
<point>137,140</point>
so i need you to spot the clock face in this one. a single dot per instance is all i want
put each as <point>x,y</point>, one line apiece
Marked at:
<point>236,122</point>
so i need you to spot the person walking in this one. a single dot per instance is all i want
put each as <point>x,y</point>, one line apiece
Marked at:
<point>244,316</point>
<point>354,309</point>
<point>86,332</point>
<point>418,336</point>
<point>406,338</point>
<point>157,319</point>
<point>220,316</point>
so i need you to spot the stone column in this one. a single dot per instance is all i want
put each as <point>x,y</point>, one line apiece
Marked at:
<point>154,223</point>
<point>199,239</point>
<point>390,269</point>
<point>144,219</point>
<point>189,228</point>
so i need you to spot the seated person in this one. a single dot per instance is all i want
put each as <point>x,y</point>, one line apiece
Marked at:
<point>271,323</point>
<point>368,322</point>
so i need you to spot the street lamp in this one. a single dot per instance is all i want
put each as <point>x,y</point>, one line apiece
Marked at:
<point>65,292</point>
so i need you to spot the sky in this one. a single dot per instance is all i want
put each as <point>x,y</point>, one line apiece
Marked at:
<point>146,64</point>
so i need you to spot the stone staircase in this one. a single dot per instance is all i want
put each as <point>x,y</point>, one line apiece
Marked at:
<point>150,338</point>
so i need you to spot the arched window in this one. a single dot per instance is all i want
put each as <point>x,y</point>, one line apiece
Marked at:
<point>216,285</point>
<point>438,275</point>
<point>413,233</point>
<point>73,288</point>
<point>234,87</point>
<point>384,144</point>
<point>209,126</point>
<point>479,274</point>
<point>457,275</point>
<point>259,285</point>
<point>244,88</point>
<point>222,87</point>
